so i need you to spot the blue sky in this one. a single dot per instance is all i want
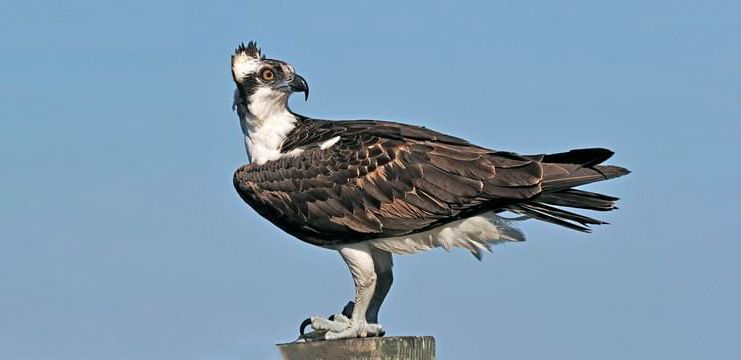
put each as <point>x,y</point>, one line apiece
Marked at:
<point>121,235</point>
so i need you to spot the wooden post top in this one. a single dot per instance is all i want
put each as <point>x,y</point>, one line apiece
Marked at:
<point>376,348</point>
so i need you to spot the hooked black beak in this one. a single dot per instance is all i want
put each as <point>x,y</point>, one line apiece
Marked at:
<point>298,84</point>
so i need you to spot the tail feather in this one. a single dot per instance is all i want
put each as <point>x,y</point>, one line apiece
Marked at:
<point>533,212</point>
<point>583,157</point>
<point>561,173</point>
<point>563,214</point>
<point>557,177</point>
<point>580,199</point>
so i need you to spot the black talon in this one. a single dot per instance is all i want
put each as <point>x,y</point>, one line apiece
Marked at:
<point>304,324</point>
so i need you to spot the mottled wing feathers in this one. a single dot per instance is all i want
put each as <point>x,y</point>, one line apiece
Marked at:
<point>313,132</point>
<point>381,180</point>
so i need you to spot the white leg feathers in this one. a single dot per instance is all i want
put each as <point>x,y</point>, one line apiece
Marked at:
<point>360,261</point>
<point>475,234</point>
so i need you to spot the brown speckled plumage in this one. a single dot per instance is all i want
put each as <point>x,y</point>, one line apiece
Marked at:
<point>384,179</point>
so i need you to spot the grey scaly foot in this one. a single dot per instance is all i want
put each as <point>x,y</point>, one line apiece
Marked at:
<point>342,327</point>
<point>338,326</point>
<point>375,329</point>
<point>321,326</point>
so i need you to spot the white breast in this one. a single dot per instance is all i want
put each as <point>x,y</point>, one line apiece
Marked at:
<point>266,124</point>
<point>264,142</point>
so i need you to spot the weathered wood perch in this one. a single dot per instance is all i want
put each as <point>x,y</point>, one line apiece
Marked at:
<point>377,348</point>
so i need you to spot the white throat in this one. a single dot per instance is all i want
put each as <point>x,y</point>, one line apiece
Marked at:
<point>266,124</point>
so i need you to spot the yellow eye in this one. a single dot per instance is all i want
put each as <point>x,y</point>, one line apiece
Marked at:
<point>267,75</point>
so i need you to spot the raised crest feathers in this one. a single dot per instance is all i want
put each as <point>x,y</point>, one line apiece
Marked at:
<point>250,50</point>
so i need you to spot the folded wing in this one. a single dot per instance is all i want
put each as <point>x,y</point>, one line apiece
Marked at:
<point>381,181</point>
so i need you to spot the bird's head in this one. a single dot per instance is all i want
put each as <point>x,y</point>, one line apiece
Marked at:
<point>263,83</point>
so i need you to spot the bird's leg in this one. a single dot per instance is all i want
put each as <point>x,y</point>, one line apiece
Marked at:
<point>360,261</point>
<point>383,264</point>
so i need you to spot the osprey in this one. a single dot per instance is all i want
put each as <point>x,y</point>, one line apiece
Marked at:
<point>370,189</point>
